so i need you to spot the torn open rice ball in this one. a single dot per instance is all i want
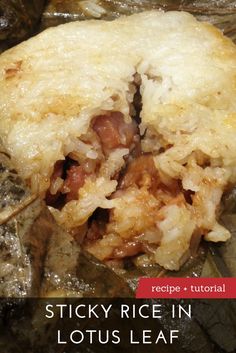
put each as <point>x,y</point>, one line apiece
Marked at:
<point>127,129</point>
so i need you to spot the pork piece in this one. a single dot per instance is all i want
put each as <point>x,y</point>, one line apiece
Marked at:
<point>114,131</point>
<point>65,183</point>
<point>54,191</point>
<point>74,181</point>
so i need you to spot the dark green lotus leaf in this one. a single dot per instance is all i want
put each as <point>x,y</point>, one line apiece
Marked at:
<point>23,236</point>
<point>72,272</point>
<point>14,194</point>
<point>18,20</point>
<point>227,251</point>
<point>218,320</point>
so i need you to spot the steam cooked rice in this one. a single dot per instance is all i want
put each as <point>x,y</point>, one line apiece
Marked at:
<point>65,89</point>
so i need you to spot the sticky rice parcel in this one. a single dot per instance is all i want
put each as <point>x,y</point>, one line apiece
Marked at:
<point>127,129</point>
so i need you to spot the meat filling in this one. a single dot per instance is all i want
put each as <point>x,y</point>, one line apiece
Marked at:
<point>139,184</point>
<point>146,213</point>
<point>69,175</point>
<point>114,132</point>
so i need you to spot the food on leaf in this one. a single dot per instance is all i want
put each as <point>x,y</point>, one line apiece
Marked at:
<point>69,122</point>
